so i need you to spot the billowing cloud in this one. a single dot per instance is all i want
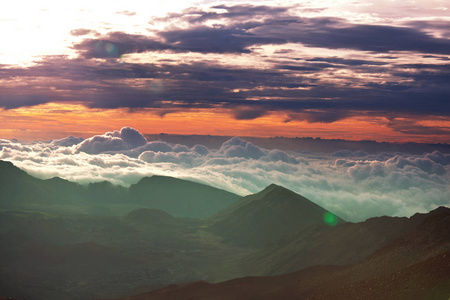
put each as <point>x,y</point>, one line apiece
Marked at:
<point>240,148</point>
<point>354,184</point>
<point>66,142</point>
<point>125,139</point>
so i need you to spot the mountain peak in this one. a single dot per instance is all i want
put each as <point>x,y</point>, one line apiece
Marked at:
<point>440,210</point>
<point>267,216</point>
<point>280,189</point>
<point>8,169</point>
<point>274,187</point>
<point>7,165</point>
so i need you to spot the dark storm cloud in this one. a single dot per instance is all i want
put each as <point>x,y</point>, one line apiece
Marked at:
<point>235,12</point>
<point>411,127</point>
<point>197,38</point>
<point>429,74</point>
<point>248,113</point>
<point>201,39</point>
<point>443,58</point>
<point>293,85</point>
<point>381,39</point>
<point>319,116</point>
<point>335,33</point>
<point>248,26</point>
<point>441,25</point>
<point>303,67</point>
<point>347,62</point>
<point>10,99</point>
<point>116,44</point>
<point>201,85</point>
<point>215,40</point>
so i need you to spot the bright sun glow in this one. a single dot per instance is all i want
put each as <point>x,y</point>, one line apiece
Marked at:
<point>33,29</point>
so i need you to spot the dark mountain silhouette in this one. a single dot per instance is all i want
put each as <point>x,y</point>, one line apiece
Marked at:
<point>17,187</point>
<point>105,192</point>
<point>268,216</point>
<point>416,265</point>
<point>180,198</point>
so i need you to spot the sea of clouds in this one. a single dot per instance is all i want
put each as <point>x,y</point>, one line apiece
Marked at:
<point>355,185</point>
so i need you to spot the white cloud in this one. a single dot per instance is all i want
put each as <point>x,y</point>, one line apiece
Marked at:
<point>67,142</point>
<point>355,185</point>
<point>125,139</point>
<point>236,147</point>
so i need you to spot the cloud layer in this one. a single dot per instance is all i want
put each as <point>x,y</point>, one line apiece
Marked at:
<point>355,185</point>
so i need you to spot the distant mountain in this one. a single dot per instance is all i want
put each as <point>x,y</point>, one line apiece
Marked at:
<point>416,265</point>
<point>106,192</point>
<point>17,187</point>
<point>180,198</point>
<point>268,216</point>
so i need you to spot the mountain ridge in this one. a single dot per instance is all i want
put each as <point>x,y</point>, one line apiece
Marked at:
<point>276,233</point>
<point>178,197</point>
<point>258,219</point>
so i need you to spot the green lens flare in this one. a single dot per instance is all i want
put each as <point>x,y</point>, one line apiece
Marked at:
<point>330,219</point>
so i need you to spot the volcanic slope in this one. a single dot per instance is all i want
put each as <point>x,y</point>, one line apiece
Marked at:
<point>345,244</point>
<point>266,217</point>
<point>416,265</point>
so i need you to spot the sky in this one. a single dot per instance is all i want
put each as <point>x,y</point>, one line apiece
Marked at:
<point>349,69</point>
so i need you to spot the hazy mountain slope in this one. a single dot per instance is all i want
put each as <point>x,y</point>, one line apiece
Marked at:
<point>414,266</point>
<point>17,187</point>
<point>345,244</point>
<point>266,217</point>
<point>104,192</point>
<point>426,280</point>
<point>180,198</point>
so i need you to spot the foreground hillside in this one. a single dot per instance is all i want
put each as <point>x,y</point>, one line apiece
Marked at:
<point>413,266</point>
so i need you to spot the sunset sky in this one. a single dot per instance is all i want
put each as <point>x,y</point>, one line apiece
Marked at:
<point>350,69</point>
